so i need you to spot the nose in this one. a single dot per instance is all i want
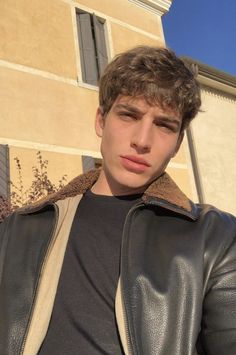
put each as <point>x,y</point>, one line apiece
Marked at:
<point>141,139</point>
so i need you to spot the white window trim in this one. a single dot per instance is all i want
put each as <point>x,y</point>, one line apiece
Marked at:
<point>108,41</point>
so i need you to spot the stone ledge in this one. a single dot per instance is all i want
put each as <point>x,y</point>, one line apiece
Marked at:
<point>160,7</point>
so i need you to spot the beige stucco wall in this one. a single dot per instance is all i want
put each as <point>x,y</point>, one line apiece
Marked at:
<point>214,134</point>
<point>127,38</point>
<point>38,34</point>
<point>41,110</point>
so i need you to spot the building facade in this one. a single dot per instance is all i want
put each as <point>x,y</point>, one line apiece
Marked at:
<point>51,56</point>
<point>212,140</point>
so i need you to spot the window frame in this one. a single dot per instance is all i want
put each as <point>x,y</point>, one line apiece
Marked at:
<point>93,46</point>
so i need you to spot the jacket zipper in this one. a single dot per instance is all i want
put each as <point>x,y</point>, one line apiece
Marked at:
<point>130,350</point>
<point>39,280</point>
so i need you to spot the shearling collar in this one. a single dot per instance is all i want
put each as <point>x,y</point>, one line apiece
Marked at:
<point>162,189</point>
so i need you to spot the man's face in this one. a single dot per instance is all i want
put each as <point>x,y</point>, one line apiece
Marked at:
<point>138,140</point>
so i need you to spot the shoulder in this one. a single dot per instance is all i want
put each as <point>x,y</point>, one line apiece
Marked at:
<point>215,216</point>
<point>24,222</point>
<point>216,223</point>
<point>218,230</point>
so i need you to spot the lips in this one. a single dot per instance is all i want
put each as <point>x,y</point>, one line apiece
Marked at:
<point>135,159</point>
<point>134,164</point>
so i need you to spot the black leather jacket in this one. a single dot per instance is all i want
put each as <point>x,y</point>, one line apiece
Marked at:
<point>177,289</point>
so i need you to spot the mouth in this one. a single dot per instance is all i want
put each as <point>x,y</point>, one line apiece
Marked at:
<point>134,164</point>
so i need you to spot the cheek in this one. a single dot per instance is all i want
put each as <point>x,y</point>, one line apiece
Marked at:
<point>166,147</point>
<point>112,136</point>
<point>107,145</point>
<point>107,140</point>
<point>164,152</point>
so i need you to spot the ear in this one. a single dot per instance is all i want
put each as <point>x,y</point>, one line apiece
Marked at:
<point>99,122</point>
<point>179,142</point>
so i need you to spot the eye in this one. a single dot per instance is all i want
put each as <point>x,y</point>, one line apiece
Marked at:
<point>127,116</point>
<point>167,127</point>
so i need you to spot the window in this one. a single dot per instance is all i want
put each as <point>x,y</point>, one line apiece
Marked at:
<point>90,163</point>
<point>92,45</point>
<point>4,171</point>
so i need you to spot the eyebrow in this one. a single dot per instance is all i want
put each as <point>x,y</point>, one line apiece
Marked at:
<point>161,118</point>
<point>129,108</point>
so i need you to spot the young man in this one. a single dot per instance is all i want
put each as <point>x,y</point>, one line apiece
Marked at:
<point>120,261</point>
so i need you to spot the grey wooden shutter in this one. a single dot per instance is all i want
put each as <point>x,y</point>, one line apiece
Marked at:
<point>100,44</point>
<point>88,163</point>
<point>87,49</point>
<point>4,171</point>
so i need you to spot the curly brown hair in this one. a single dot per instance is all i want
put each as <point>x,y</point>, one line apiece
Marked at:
<point>155,74</point>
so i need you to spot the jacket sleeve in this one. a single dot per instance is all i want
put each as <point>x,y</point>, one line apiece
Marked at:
<point>218,335</point>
